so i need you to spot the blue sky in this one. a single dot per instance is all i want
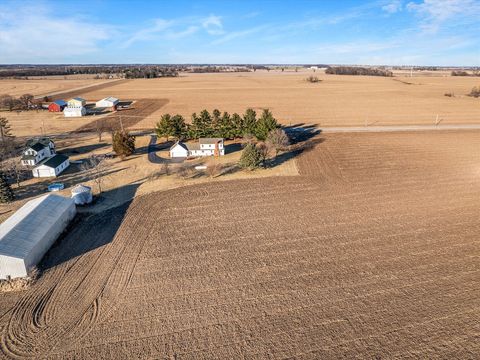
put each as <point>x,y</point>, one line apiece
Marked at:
<point>395,32</point>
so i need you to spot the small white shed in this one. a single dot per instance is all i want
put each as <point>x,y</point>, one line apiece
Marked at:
<point>27,235</point>
<point>74,111</point>
<point>179,150</point>
<point>51,167</point>
<point>108,102</point>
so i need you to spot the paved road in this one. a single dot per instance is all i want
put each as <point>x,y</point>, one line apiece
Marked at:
<point>400,128</point>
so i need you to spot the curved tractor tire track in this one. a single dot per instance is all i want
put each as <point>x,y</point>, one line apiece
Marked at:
<point>68,299</point>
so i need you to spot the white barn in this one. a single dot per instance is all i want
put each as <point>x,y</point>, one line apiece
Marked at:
<point>52,167</point>
<point>74,111</point>
<point>108,102</point>
<point>27,235</point>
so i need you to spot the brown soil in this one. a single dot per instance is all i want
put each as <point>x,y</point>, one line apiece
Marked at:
<point>372,252</point>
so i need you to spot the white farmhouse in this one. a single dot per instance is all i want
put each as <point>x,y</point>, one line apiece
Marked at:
<point>109,102</point>
<point>36,150</point>
<point>27,235</point>
<point>205,147</point>
<point>74,111</point>
<point>51,167</point>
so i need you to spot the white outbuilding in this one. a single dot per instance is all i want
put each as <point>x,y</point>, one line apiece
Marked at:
<point>27,235</point>
<point>52,167</point>
<point>76,102</point>
<point>74,111</point>
<point>109,102</point>
<point>179,150</point>
<point>82,194</point>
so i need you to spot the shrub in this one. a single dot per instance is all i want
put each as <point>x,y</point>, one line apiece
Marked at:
<point>123,143</point>
<point>313,79</point>
<point>475,92</point>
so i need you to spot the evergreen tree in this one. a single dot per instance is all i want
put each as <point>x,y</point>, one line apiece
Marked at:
<point>6,137</point>
<point>194,129</point>
<point>251,157</point>
<point>249,122</point>
<point>225,128</point>
<point>123,143</point>
<point>178,126</point>
<point>164,127</point>
<point>216,122</point>
<point>237,124</point>
<point>265,124</point>
<point>6,192</point>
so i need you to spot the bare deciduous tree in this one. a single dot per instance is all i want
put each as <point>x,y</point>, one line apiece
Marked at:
<point>96,166</point>
<point>166,168</point>
<point>277,140</point>
<point>214,168</point>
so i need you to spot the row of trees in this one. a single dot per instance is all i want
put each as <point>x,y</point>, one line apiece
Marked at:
<point>48,70</point>
<point>464,73</point>
<point>24,102</point>
<point>356,70</point>
<point>217,124</point>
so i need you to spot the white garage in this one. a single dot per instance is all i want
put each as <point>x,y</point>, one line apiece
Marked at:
<point>28,234</point>
<point>179,150</point>
<point>51,167</point>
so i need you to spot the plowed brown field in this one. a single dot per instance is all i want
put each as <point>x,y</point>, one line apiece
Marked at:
<point>372,252</point>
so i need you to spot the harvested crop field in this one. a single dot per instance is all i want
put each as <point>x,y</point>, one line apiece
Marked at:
<point>335,101</point>
<point>372,252</point>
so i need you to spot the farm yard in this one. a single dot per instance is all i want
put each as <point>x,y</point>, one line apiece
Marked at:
<point>371,251</point>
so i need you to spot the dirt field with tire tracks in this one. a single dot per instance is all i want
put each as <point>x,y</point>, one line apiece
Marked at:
<point>372,252</point>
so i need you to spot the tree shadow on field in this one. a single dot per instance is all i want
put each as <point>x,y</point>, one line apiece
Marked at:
<point>88,231</point>
<point>302,138</point>
<point>82,149</point>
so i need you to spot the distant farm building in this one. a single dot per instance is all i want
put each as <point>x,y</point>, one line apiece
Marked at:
<point>51,167</point>
<point>205,147</point>
<point>74,111</point>
<point>109,103</point>
<point>36,150</point>
<point>57,106</point>
<point>76,102</point>
<point>27,235</point>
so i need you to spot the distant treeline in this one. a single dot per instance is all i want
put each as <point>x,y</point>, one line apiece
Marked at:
<point>354,70</point>
<point>128,71</point>
<point>464,73</point>
<point>217,69</point>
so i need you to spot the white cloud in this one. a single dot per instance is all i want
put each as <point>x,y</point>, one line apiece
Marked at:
<point>33,34</point>
<point>434,13</point>
<point>238,34</point>
<point>392,7</point>
<point>213,25</point>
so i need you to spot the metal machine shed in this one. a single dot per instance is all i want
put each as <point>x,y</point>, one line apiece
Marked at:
<point>28,234</point>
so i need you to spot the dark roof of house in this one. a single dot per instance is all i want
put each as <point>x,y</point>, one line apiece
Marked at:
<point>60,102</point>
<point>37,146</point>
<point>45,141</point>
<point>54,161</point>
<point>209,140</point>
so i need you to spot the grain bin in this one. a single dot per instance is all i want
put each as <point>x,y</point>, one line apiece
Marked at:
<point>82,194</point>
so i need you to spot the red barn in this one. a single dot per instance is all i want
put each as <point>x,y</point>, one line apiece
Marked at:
<point>57,106</point>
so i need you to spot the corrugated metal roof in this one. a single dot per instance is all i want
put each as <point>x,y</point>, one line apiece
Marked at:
<point>78,99</point>
<point>21,232</point>
<point>60,102</point>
